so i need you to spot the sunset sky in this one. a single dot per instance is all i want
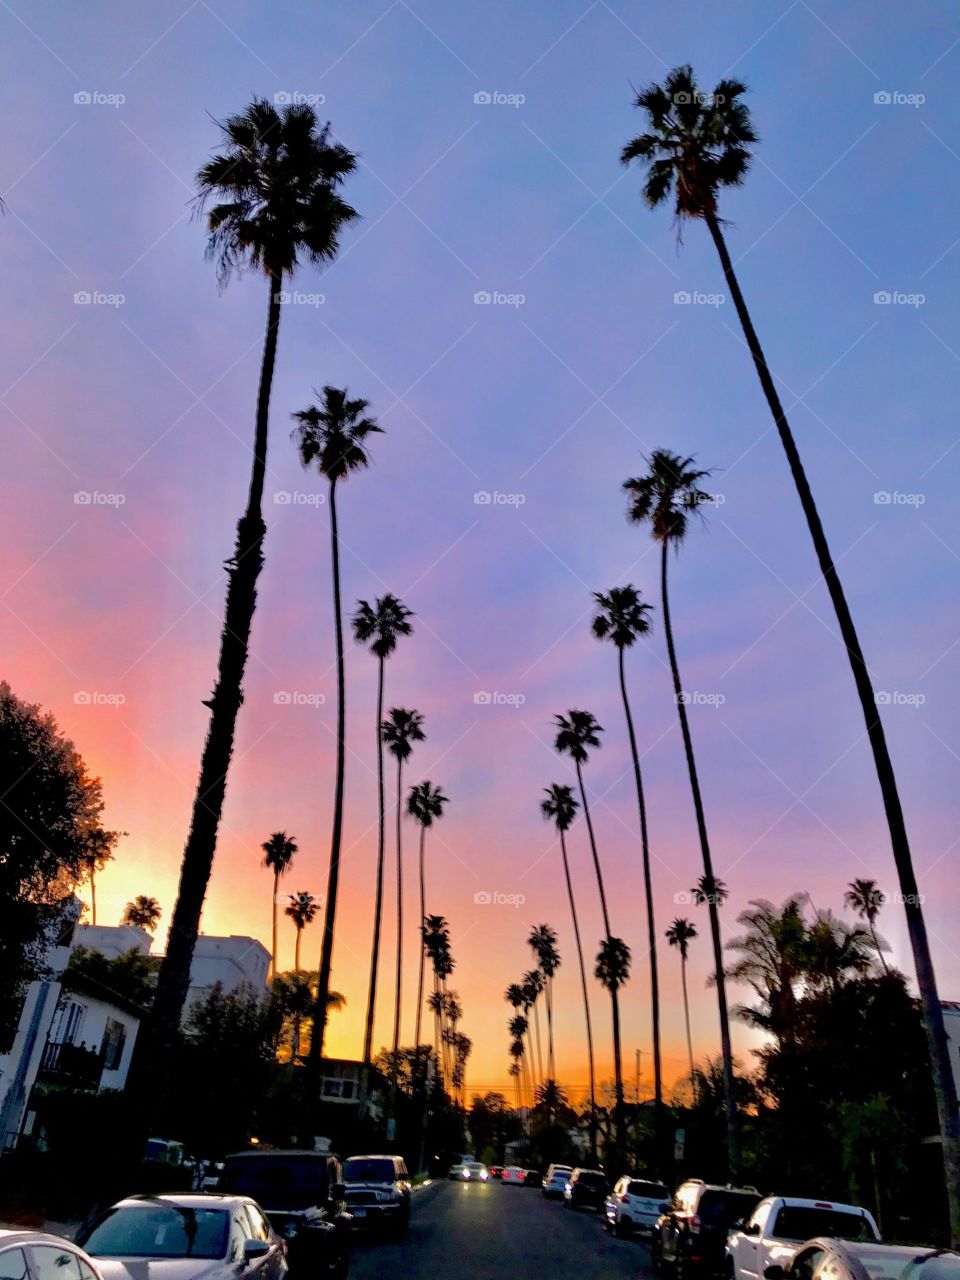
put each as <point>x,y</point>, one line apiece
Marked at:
<point>547,398</point>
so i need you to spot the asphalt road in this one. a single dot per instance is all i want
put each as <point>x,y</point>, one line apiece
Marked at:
<point>492,1232</point>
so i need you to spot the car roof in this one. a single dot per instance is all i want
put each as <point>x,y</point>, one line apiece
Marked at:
<point>282,1151</point>
<point>383,1156</point>
<point>798,1202</point>
<point>187,1200</point>
<point>26,1235</point>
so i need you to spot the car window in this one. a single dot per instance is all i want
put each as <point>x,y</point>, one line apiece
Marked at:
<point>155,1230</point>
<point>258,1223</point>
<point>50,1262</point>
<point>805,1264</point>
<point>13,1264</point>
<point>367,1169</point>
<point>724,1208</point>
<point>795,1222</point>
<point>647,1190</point>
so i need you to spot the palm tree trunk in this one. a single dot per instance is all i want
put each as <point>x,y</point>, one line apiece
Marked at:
<point>536,1023</point>
<point>243,570</point>
<point>944,1085</point>
<point>593,850</point>
<point>733,1146</point>
<point>586,997</point>
<point>876,943</point>
<point>398,992</point>
<point>273,954</point>
<point>378,905</point>
<point>686,1011</point>
<point>333,875</point>
<point>423,951</point>
<point>296,949</point>
<point>551,1066</point>
<point>651,925</point>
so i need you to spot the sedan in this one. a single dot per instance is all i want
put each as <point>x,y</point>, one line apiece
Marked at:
<point>35,1255</point>
<point>185,1237</point>
<point>469,1171</point>
<point>514,1175</point>
<point>848,1260</point>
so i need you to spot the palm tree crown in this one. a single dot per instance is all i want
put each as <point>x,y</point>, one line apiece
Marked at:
<point>680,933</point>
<point>401,729</point>
<point>302,909</point>
<point>543,943</point>
<point>576,731</point>
<point>425,802</point>
<point>142,913</point>
<point>278,852</point>
<point>613,963</point>
<point>560,806</point>
<point>622,616</point>
<point>276,185</point>
<point>866,898</point>
<point>334,434</point>
<point>666,495</point>
<point>381,624</point>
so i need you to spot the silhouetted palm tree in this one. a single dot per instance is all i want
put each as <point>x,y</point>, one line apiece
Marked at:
<point>704,891</point>
<point>533,986</point>
<point>560,808</point>
<point>379,627</point>
<point>98,853</point>
<point>543,942</point>
<point>276,187</point>
<point>697,144</point>
<point>665,498</point>
<point>623,619</point>
<point>679,935</point>
<point>333,437</point>
<point>302,909</point>
<point>425,802</point>
<point>612,969</point>
<point>866,899</point>
<point>400,730</point>
<point>278,853</point>
<point>142,913</point>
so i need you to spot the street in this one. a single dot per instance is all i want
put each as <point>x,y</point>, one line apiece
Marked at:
<point>461,1232</point>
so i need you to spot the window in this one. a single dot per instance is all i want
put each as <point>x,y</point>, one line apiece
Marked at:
<point>798,1222</point>
<point>239,1234</point>
<point>54,1263</point>
<point>647,1190</point>
<point>158,1231</point>
<point>13,1265</point>
<point>111,1050</point>
<point>331,1088</point>
<point>258,1223</point>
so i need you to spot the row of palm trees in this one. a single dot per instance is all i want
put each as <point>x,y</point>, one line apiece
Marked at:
<point>451,1047</point>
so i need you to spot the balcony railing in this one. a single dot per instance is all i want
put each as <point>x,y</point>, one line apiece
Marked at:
<point>70,1064</point>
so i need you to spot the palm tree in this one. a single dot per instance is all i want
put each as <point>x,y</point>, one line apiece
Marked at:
<point>302,909</point>
<point>142,913</point>
<point>297,993</point>
<point>866,899</point>
<point>379,627</point>
<point>679,935</point>
<point>278,854</point>
<point>98,853</point>
<point>623,619</point>
<point>401,729</point>
<point>696,145</point>
<point>533,987</point>
<point>519,1027</point>
<point>576,731</point>
<point>543,942</point>
<point>704,892</point>
<point>774,955</point>
<point>333,435</point>
<point>425,802</point>
<point>665,497</point>
<point>276,185</point>
<point>836,949</point>
<point>612,969</point>
<point>560,808</point>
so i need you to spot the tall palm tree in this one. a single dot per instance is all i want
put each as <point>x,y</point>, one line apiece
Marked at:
<point>560,808</point>
<point>302,909</point>
<point>533,987</point>
<point>425,802</point>
<point>278,854</point>
<point>98,853</point>
<point>695,145</point>
<point>275,188</point>
<point>543,943</point>
<point>612,969</point>
<point>333,437</point>
<point>401,729</point>
<point>665,498</point>
<point>866,899</point>
<point>142,913</point>
<point>704,891</point>
<point>519,1027</point>
<point>576,731</point>
<point>622,619</point>
<point>379,626</point>
<point>679,935</point>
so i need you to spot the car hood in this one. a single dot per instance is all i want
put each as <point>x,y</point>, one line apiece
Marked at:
<point>164,1268</point>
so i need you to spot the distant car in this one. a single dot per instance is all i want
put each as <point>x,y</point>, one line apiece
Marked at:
<point>378,1192</point>
<point>468,1171</point>
<point>532,1178</point>
<point>779,1225</point>
<point>496,1172</point>
<point>692,1234</point>
<point>555,1182</point>
<point>633,1206</point>
<point>585,1189</point>
<point>303,1196</point>
<point>26,1254</point>
<point>829,1259</point>
<point>183,1237</point>
<point>514,1175</point>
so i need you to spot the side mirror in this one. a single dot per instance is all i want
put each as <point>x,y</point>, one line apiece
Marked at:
<point>255,1249</point>
<point>753,1229</point>
<point>774,1272</point>
<point>338,1191</point>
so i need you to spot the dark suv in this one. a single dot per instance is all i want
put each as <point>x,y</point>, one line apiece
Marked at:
<point>692,1234</point>
<point>303,1195</point>
<point>378,1191</point>
<point>585,1189</point>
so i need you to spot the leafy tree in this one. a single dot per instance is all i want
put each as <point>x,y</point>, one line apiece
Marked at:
<point>132,974</point>
<point>278,855</point>
<point>142,913</point>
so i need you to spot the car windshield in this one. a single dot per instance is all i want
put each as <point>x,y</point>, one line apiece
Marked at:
<point>366,1169</point>
<point>648,1191</point>
<point>155,1230</point>
<point>560,1173</point>
<point>800,1222</point>
<point>596,1181</point>
<point>724,1208</point>
<point>909,1264</point>
<point>277,1182</point>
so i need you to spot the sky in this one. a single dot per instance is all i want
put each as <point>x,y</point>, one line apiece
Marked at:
<point>525,331</point>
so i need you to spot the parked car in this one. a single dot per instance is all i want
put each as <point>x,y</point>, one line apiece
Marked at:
<point>633,1206</point>
<point>179,1237</point>
<point>514,1175</point>
<point>496,1172</point>
<point>468,1171</point>
<point>26,1254</point>
<point>303,1195</point>
<point>532,1178</point>
<point>779,1225</point>
<point>585,1189</point>
<point>692,1233</point>
<point>848,1260</point>
<point>378,1192</point>
<point>554,1184</point>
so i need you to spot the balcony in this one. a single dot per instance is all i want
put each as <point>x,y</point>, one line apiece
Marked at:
<point>70,1066</point>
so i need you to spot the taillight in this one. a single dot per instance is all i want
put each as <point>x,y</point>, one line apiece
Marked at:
<point>693,1222</point>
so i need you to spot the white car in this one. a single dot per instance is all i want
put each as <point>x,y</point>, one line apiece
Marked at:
<point>779,1225</point>
<point>634,1205</point>
<point>555,1183</point>
<point>26,1254</point>
<point>469,1171</point>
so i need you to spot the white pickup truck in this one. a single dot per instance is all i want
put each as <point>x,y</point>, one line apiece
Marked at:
<point>780,1224</point>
